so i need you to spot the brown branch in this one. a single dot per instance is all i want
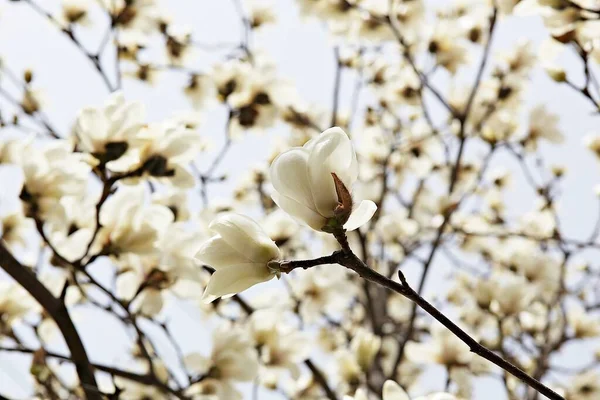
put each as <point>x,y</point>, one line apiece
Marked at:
<point>351,261</point>
<point>94,58</point>
<point>58,311</point>
<point>132,376</point>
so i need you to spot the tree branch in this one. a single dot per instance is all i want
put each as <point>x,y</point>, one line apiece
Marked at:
<point>351,261</point>
<point>57,310</point>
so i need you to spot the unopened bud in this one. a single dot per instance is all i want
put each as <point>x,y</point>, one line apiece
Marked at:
<point>556,74</point>
<point>28,75</point>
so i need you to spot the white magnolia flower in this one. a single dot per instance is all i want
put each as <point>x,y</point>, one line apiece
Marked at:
<point>50,173</point>
<point>163,149</point>
<point>75,12</point>
<point>239,253</point>
<point>281,346</point>
<point>393,391</point>
<point>304,185</point>
<point>15,303</point>
<point>233,358</point>
<point>444,349</point>
<point>172,271</point>
<point>107,132</point>
<point>365,346</point>
<point>14,228</point>
<point>128,225</point>
<point>584,324</point>
<point>585,386</point>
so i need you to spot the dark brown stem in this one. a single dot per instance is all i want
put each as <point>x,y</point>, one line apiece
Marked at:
<point>58,311</point>
<point>351,261</point>
<point>132,376</point>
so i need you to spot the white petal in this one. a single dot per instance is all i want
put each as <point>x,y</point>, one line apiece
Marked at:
<point>183,178</point>
<point>182,146</point>
<point>217,253</point>
<point>299,211</point>
<point>151,302</point>
<point>332,151</point>
<point>196,363</point>
<point>393,391</point>
<point>127,284</point>
<point>241,232</point>
<point>235,279</point>
<point>289,176</point>
<point>361,215</point>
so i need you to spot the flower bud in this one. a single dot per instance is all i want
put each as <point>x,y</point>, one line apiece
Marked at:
<point>241,253</point>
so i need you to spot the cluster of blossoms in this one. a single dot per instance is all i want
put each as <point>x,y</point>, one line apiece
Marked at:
<point>433,178</point>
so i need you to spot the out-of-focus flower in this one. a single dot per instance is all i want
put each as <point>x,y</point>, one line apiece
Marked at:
<point>147,279</point>
<point>323,289</point>
<point>108,132</point>
<point>393,391</point>
<point>260,13</point>
<point>76,12</point>
<point>585,386</point>
<point>14,227</point>
<point>239,252</point>
<point>163,150</point>
<point>365,346</point>
<point>134,15</point>
<point>583,324</point>
<point>543,125</point>
<point>281,347</point>
<point>15,303</point>
<point>444,349</point>
<point>52,172</point>
<point>233,359</point>
<point>129,225</point>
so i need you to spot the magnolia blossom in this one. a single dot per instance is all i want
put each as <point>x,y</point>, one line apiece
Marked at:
<point>107,132</point>
<point>281,346</point>
<point>50,173</point>
<point>393,391</point>
<point>130,226</point>
<point>233,358</point>
<point>239,252</point>
<point>15,303</point>
<point>303,178</point>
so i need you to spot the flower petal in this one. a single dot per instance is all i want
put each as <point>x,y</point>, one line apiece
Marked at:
<point>241,232</point>
<point>217,253</point>
<point>300,212</point>
<point>331,151</point>
<point>361,215</point>
<point>393,391</point>
<point>289,176</point>
<point>234,279</point>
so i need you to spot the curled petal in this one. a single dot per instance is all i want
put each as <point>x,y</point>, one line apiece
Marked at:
<point>234,279</point>
<point>289,176</point>
<point>393,391</point>
<point>361,215</point>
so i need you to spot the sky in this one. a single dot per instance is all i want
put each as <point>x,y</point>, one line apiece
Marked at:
<point>303,53</point>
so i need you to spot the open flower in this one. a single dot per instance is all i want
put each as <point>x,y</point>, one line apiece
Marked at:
<point>393,391</point>
<point>312,183</point>
<point>233,359</point>
<point>107,132</point>
<point>239,253</point>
